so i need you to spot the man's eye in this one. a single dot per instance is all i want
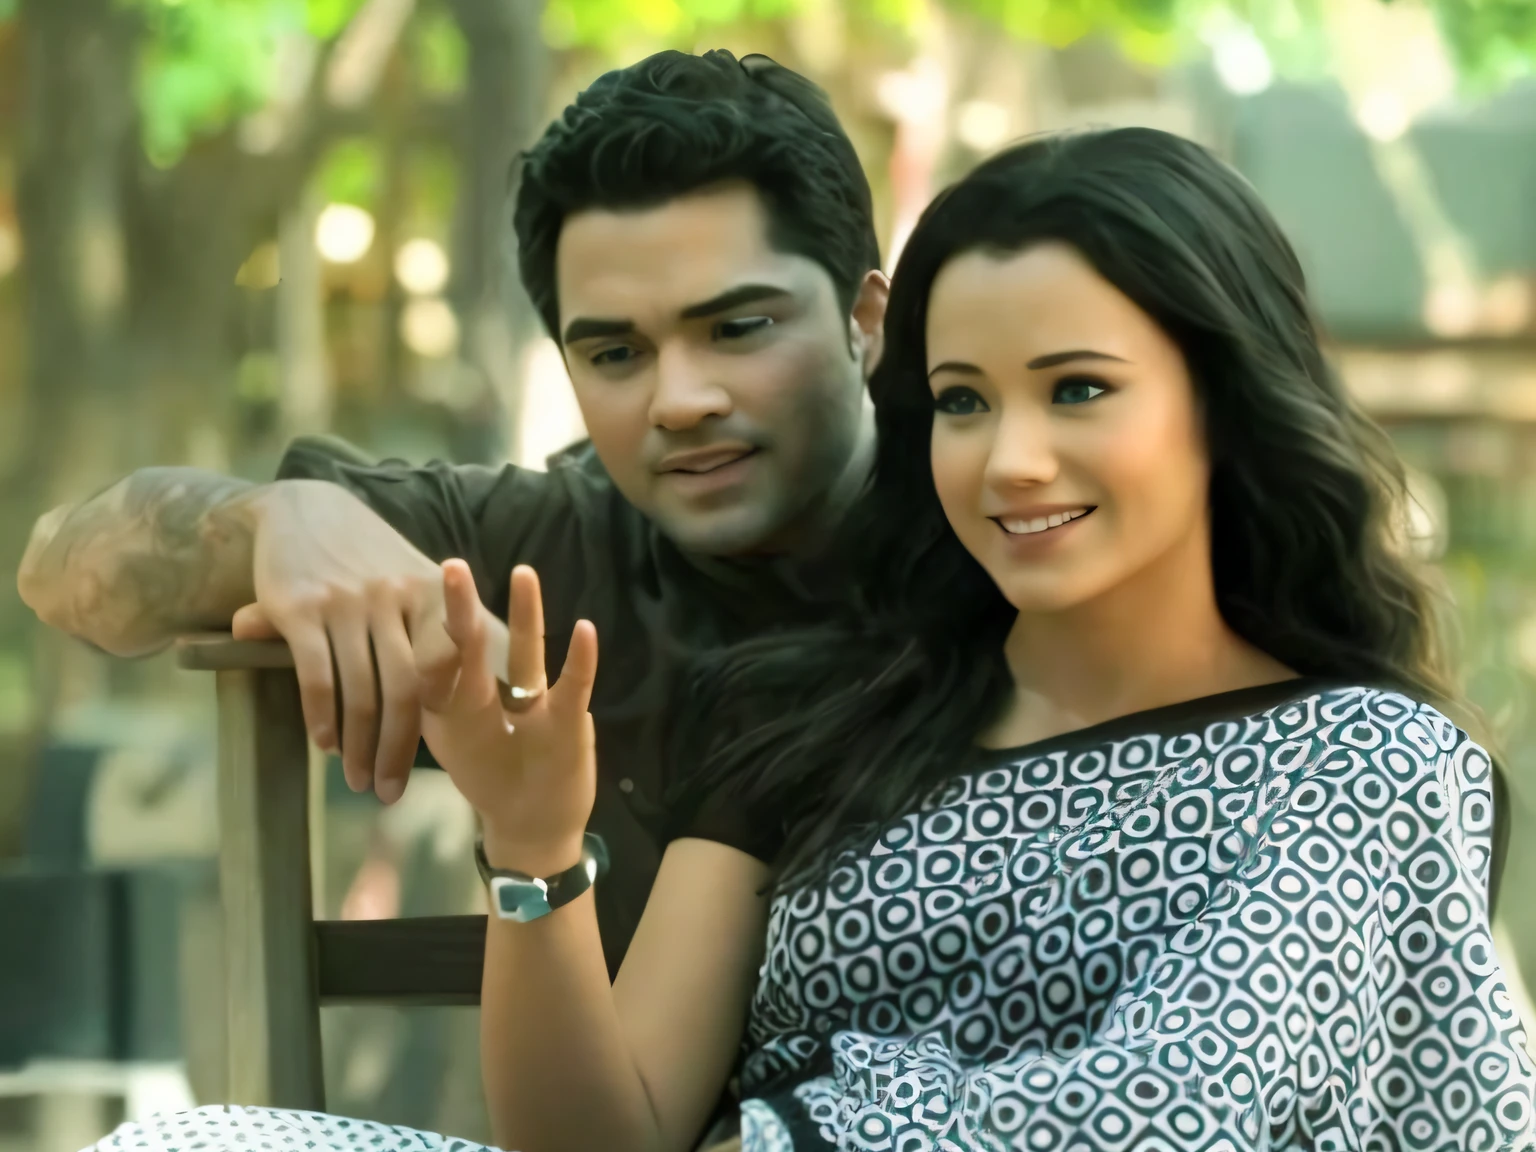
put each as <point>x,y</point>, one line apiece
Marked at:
<point>1077,390</point>
<point>736,329</point>
<point>619,354</point>
<point>960,401</point>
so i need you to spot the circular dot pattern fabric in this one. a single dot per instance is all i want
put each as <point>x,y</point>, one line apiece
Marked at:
<point>232,1128</point>
<point>1267,931</point>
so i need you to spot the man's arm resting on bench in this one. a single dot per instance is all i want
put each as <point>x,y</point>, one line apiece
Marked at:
<point>172,550</point>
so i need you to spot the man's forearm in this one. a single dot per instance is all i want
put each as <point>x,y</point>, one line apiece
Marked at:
<point>163,551</point>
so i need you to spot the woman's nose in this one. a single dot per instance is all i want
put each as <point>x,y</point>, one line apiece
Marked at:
<point>1023,451</point>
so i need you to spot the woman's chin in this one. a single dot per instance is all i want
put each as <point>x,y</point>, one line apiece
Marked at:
<point>1037,596</point>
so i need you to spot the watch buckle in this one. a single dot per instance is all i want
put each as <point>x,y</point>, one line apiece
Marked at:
<point>520,899</point>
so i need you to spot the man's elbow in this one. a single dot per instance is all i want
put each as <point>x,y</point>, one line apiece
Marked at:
<point>35,578</point>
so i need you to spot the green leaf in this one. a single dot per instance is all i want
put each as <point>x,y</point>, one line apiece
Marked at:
<point>203,63</point>
<point>613,25</point>
<point>325,18</point>
<point>1493,41</point>
<point>200,64</point>
<point>433,181</point>
<point>440,51</point>
<point>351,171</point>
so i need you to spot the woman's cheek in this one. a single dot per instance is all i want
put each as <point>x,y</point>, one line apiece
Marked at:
<point>1153,492</point>
<point>956,478</point>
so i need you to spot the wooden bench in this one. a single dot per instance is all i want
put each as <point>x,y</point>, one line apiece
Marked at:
<point>282,965</point>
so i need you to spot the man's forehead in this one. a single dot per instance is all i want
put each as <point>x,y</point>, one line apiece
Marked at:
<point>652,262</point>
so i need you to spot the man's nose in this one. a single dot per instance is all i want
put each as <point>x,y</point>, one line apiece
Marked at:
<point>686,393</point>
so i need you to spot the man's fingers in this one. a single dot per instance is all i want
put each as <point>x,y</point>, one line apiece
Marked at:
<point>399,704</point>
<point>348,629</point>
<point>312,664</point>
<point>572,693</point>
<point>253,623</point>
<point>437,662</point>
<point>525,634</point>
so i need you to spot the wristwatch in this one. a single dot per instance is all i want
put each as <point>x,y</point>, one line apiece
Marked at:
<point>520,897</point>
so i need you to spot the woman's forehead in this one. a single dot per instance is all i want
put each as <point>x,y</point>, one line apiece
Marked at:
<point>1021,302</point>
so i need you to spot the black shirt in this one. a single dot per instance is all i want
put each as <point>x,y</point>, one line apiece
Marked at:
<point>598,558</point>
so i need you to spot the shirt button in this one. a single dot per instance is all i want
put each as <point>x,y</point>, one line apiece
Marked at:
<point>626,785</point>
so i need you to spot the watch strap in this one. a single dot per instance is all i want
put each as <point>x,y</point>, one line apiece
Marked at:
<point>520,897</point>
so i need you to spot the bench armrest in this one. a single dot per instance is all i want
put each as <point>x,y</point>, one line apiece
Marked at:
<point>221,652</point>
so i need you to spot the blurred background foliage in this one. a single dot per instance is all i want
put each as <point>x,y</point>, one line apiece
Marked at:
<point>227,222</point>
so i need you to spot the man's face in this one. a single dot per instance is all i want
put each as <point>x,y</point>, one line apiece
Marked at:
<point>721,382</point>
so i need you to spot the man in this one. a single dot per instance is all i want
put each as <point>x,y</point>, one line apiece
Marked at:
<point>696,233</point>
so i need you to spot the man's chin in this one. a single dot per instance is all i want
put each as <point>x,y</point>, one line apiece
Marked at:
<point>744,530</point>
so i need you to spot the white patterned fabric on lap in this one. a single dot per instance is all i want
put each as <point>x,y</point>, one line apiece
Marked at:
<point>231,1128</point>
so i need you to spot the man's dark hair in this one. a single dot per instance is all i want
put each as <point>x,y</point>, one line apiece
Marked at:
<point>675,123</point>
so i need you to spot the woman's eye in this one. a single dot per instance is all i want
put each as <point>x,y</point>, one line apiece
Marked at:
<point>736,329</point>
<point>1077,390</point>
<point>959,401</point>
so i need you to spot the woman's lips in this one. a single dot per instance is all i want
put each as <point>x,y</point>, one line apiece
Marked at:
<point>1043,522</point>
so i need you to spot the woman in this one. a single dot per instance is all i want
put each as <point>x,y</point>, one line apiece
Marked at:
<point>1125,819</point>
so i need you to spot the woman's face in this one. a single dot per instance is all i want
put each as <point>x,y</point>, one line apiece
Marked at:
<point>1068,450</point>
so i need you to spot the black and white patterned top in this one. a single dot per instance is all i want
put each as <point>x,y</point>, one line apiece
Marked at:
<point>1222,925</point>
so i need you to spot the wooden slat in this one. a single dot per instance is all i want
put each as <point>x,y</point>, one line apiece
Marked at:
<point>420,960</point>
<point>272,1006</point>
<point>219,652</point>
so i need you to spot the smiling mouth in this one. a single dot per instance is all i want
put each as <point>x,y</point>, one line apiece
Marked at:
<point>1018,527</point>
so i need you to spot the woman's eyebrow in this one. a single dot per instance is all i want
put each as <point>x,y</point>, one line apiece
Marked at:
<point>954,366</point>
<point>1055,358</point>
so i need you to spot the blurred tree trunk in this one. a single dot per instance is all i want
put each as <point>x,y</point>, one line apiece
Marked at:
<point>503,110</point>
<point>75,123</point>
<point>132,312</point>
<point>303,366</point>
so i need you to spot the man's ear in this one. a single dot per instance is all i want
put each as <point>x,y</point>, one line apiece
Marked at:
<point>866,322</point>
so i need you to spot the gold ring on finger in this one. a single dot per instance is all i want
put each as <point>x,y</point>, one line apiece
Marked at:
<point>514,696</point>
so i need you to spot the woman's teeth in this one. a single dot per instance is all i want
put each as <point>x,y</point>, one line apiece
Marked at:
<point>1040,523</point>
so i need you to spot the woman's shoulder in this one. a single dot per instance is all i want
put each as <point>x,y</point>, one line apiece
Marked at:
<point>1312,709</point>
<point>1396,760</point>
<point>1385,719</point>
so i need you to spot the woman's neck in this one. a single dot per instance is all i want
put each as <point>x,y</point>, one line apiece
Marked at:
<point>1157,638</point>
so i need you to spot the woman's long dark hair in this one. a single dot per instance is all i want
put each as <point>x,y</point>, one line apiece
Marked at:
<point>851,724</point>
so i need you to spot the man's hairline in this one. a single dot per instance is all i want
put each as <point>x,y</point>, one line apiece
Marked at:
<point>713,187</point>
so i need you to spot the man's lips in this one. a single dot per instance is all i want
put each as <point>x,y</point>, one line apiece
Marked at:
<point>704,460</point>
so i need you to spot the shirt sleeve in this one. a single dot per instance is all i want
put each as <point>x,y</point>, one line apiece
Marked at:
<point>1444,1046</point>
<point>728,818</point>
<point>493,518</point>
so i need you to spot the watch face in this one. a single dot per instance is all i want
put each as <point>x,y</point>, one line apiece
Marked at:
<point>520,900</point>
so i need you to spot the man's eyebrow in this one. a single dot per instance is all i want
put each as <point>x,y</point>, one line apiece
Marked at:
<point>1056,358</point>
<point>745,294</point>
<point>584,328</point>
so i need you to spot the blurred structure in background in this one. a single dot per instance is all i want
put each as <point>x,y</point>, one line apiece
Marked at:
<point>227,222</point>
